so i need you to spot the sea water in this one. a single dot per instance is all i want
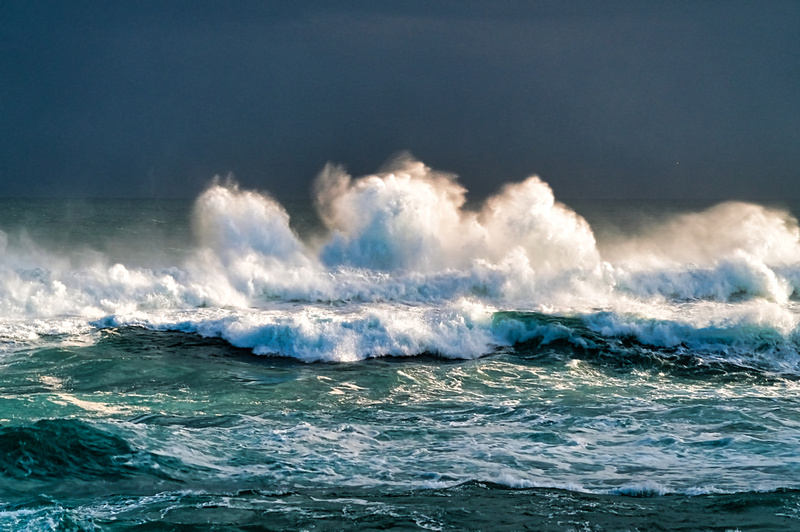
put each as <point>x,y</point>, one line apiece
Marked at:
<point>392,357</point>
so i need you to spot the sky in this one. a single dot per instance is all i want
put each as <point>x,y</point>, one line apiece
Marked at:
<point>603,100</point>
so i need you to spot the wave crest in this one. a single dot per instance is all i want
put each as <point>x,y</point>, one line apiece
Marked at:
<point>404,263</point>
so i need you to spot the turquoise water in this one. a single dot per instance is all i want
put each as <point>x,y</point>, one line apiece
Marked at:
<point>230,364</point>
<point>158,429</point>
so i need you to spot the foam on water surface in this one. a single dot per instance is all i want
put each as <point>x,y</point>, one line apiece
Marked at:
<point>402,267</point>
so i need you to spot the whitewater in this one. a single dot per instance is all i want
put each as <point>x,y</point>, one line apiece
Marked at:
<point>393,355</point>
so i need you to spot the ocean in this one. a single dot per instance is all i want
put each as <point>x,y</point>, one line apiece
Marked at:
<point>392,356</point>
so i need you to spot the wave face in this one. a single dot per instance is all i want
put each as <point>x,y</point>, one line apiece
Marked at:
<point>58,449</point>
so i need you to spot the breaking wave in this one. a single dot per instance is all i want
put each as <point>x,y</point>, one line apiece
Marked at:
<point>402,266</point>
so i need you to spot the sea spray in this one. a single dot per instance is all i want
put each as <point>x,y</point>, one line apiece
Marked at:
<point>411,217</point>
<point>553,237</point>
<point>247,251</point>
<point>731,250</point>
<point>401,265</point>
<point>406,218</point>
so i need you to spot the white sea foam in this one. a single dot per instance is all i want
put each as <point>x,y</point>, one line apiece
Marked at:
<point>732,249</point>
<point>405,269</point>
<point>647,488</point>
<point>314,333</point>
<point>406,218</point>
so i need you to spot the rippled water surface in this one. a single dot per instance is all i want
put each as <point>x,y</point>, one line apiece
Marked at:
<point>156,427</point>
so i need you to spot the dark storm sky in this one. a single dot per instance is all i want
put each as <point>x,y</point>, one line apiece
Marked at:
<point>602,99</point>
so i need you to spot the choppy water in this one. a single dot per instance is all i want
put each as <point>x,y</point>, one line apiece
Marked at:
<point>404,362</point>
